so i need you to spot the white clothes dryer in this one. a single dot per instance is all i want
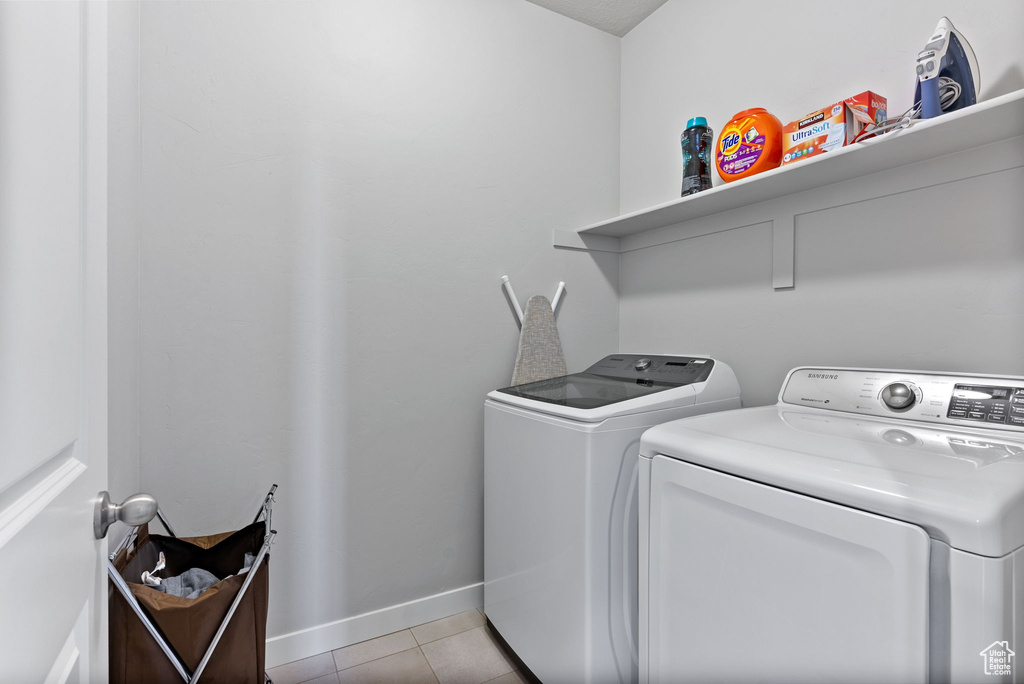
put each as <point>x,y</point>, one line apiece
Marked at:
<point>869,527</point>
<point>560,511</point>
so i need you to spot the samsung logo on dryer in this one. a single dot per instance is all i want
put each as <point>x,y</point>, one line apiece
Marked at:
<point>822,376</point>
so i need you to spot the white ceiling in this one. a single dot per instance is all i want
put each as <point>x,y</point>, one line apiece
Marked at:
<point>616,17</point>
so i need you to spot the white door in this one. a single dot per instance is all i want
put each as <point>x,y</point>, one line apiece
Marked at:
<point>53,344</point>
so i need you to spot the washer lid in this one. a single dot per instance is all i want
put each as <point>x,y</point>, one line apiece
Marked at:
<point>579,398</point>
<point>965,487</point>
<point>624,384</point>
<point>587,390</point>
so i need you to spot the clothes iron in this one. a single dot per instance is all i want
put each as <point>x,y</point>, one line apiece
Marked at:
<point>947,73</point>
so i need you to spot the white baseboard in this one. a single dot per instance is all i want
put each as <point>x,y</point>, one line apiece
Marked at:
<point>310,642</point>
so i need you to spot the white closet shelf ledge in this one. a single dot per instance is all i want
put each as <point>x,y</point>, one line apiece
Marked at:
<point>994,120</point>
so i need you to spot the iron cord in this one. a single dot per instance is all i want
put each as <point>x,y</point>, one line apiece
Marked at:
<point>949,92</point>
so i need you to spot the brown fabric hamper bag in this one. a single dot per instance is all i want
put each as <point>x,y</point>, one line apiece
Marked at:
<point>189,625</point>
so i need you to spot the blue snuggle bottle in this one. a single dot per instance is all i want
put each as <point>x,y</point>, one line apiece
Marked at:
<point>697,142</point>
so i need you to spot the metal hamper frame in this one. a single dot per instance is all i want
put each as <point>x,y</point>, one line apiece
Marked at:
<point>265,512</point>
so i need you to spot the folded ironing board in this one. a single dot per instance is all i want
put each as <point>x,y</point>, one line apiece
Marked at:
<point>540,350</point>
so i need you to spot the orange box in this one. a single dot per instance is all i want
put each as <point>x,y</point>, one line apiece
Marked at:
<point>830,128</point>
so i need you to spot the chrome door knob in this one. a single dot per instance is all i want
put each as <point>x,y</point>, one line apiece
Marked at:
<point>137,509</point>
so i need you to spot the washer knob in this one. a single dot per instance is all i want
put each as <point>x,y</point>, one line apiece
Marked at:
<point>899,396</point>
<point>642,364</point>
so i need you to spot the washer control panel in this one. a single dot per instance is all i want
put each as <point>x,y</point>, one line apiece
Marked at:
<point>948,398</point>
<point>676,370</point>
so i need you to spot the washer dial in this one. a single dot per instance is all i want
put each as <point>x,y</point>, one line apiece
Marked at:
<point>900,396</point>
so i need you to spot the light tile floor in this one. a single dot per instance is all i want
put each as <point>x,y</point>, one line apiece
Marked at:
<point>459,649</point>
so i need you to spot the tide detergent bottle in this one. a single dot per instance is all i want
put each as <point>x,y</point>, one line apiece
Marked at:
<point>750,143</point>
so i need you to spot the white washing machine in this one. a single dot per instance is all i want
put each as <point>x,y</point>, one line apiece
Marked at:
<point>560,511</point>
<point>869,527</point>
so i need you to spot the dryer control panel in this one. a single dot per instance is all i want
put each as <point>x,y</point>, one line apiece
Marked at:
<point>988,403</point>
<point>947,398</point>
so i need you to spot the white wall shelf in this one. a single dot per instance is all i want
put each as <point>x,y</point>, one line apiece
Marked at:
<point>992,121</point>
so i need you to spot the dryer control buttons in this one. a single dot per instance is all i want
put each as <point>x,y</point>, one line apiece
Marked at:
<point>642,364</point>
<point>985,403</point>
<point>900,396</point>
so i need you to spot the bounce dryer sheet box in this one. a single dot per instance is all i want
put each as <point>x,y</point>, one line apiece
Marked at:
<point>832,127</point>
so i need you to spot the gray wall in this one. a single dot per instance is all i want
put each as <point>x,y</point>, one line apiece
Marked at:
<point>330,195</point>
<point>921,267</point>
<point>927,279</point>
<point>326,195</point>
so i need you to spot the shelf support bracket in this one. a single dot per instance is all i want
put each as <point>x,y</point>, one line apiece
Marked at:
<point>783,250</point>
<point>568,239</point>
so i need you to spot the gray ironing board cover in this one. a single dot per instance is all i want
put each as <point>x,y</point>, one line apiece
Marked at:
<point>540,351</point>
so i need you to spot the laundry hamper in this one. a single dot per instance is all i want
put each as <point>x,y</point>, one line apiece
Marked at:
<point>217,638</point>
